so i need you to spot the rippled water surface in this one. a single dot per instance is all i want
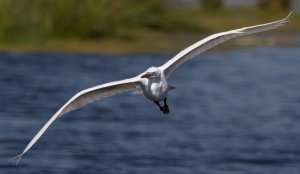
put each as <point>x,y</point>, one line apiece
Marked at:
<point>235,112</point>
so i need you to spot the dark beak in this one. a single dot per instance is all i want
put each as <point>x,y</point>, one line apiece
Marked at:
<point>145,76</point>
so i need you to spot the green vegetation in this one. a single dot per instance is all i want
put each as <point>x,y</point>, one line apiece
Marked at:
<point>117,25</point>
<point>37,20</point>
<point>212,4</point>
<point>275,4</point>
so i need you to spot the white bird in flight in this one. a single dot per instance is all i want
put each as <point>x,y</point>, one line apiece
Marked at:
<point>152,82</point>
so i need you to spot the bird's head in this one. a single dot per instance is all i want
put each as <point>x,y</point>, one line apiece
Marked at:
<point>152,72</point>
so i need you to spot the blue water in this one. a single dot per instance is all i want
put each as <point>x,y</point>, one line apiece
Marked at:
<point>233,112</point>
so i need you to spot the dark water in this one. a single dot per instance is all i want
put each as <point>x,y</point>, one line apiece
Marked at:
<point>235,112</point>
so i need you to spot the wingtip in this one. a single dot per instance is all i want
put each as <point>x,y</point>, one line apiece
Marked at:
<point>289,16</point>
<point>18,158</point>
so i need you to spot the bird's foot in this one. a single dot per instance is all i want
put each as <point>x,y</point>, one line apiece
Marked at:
<point>165,109</point>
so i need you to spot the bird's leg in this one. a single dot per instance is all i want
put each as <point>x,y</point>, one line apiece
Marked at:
<point>166,107</point>
<point>160,107</point>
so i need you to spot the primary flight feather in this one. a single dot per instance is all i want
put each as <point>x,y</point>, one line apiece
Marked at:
<point>152,82</point>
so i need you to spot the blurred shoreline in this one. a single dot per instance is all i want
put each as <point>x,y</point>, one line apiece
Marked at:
<point>159,43</point>
<point>166,34</point>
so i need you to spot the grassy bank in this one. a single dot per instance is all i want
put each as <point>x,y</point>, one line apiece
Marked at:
<point>162,32</point>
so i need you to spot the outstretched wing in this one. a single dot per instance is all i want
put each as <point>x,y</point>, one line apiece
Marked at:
<point>215,39</point>
<point>83,98</point>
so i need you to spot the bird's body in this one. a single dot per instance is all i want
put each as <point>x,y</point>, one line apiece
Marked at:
<point>152,82</point>
<point>155,89</point>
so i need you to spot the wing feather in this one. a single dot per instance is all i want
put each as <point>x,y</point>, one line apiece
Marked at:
<point>83,98</point>
<point>215,39</point>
